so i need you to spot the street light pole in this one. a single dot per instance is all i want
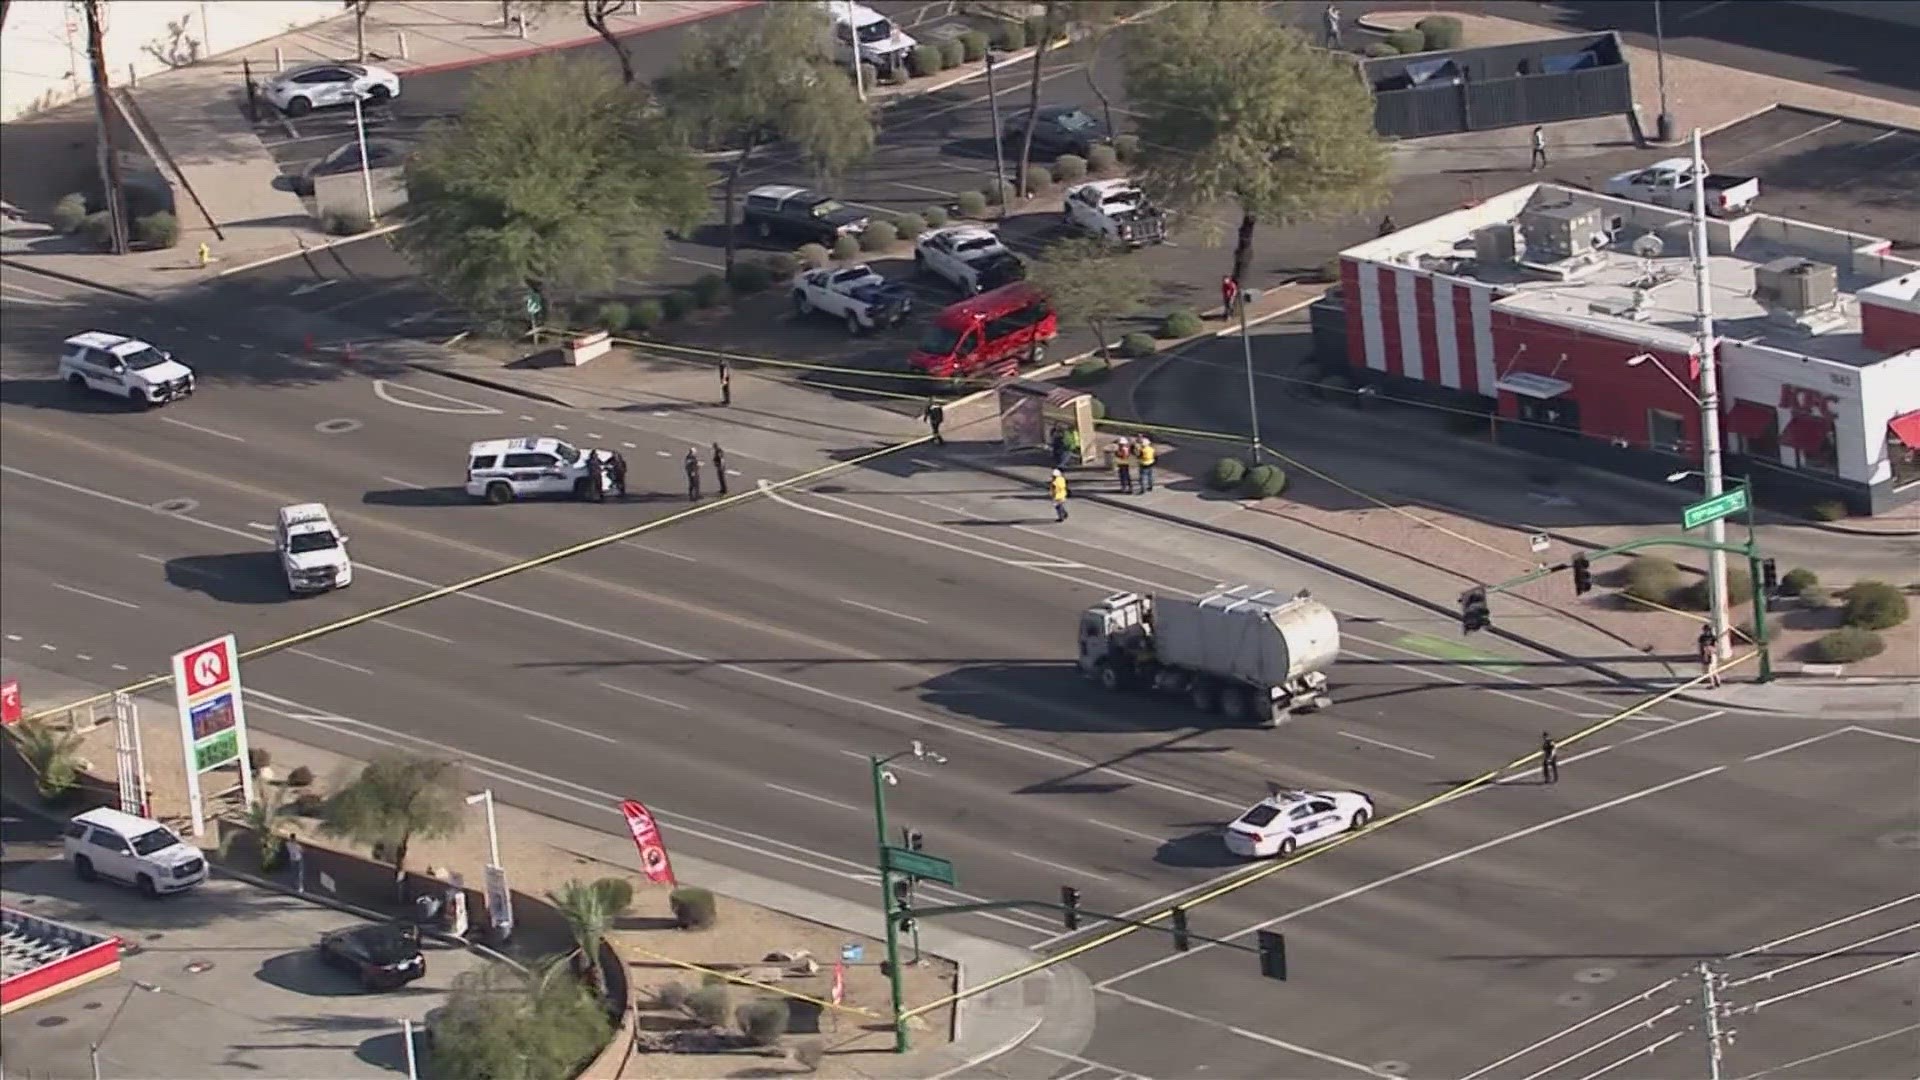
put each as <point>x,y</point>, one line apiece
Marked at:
<point>1706,344</point>
<point>859,73</point>
<point>493,831</point>
<point>999,147</point>
<point>1245,296</point>
<point>366,167</point>
<point>881,778</point>
<point>1761,641</point>
<point>1663,125</point>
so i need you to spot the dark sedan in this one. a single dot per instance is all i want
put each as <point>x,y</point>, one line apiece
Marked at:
<point>1059,129</point>
<point>381,154</point>
<point>382,956</point>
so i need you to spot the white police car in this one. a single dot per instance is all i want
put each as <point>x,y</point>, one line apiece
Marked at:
<point>125,367</point>
<point>501,470</point>
<point>1287,820</point>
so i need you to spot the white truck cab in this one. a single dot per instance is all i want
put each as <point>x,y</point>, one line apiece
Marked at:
<point>313,553</point>
<point>880,42</point>
<point>1116,210</point>
<point>502,470</point>
<point>124,367</point>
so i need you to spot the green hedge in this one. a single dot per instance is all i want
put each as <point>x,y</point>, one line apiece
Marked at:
<point>156,230</point>
<point>879,236</point>
<point>1227,474</point>
<point>1263,482</point>
<point>1069,167</point>
<point>69,212</point>
<point>936,217</point>
<point>1441,31</point>
<point>813,256</point>
<point>1103,160</point>
<point>952,53</point>
<point>909,226</point>
<point>646,315</point>
<point>1127,147</point>
<point>1378,49</point>
<point>1797,581</point>
<point>925,60</point>
<point>846,248</point>
<point>1010,37</point>
<point>1039,179</point>
<point>973,45</point>
<point>1652,578</point>
<point>1693,595</point>
<point>972,204</point>
<point>708,290</point>
<point>676,305</point>
<point>752,276</point>
<point>1137,344</point>
<point>1874,605</point>
<point>613,317</point>
<point>1407,41</point>
<point>1846,645</point>
<point>1180,324</point>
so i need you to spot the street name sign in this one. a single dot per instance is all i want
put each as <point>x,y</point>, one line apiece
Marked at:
<point>921,865</point>
<point>1725,504</point>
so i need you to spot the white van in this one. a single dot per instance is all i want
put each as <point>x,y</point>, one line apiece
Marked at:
<point>502,470</point>
<point>882,44</point>
<point>313,554</point>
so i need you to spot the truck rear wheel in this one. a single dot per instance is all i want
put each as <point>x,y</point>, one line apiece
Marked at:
<point>1233,703</point>
<point>1109,674</point>
<point>1204,697</point>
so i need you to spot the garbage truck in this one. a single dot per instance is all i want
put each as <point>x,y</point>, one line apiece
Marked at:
<point>1255,655</point>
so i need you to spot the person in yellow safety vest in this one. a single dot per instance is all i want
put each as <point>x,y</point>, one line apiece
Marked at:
<point>1123,463</point>
<point>1057,490</point>
<point>1146,464</point>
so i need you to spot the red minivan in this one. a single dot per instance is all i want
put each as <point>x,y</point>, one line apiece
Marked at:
<point>995,331</point>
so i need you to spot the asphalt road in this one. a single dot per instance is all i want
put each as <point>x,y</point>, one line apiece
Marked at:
<point>734,669</point>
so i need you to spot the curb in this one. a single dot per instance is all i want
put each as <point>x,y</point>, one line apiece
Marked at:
<point>75,279</point>
<point>494,384</point>
<point>574,43</point>
<point>304,249</point>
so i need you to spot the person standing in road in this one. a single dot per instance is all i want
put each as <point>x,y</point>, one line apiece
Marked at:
<point>1539,148</point>
<point>692,464</point>
<point>596,477</point>
<point>935,415</point>
<point>297,862</point>
<point>1709,658</point>
<point>1333,27</point>
<point>1549,759</point>
<point>1123,464</point>
<point>617,473</point>
<point>720,468</point>
<point>726,382</point>
<point>1145,450</point>
<point>1057,491</point>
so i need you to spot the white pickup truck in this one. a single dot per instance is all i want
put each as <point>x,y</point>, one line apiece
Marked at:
<point>1117,210</point>
<point>1670,183</point>
<point>968,257</point>
<point>856,295</point>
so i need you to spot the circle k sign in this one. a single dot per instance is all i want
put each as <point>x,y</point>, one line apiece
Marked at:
<point>208,667</point>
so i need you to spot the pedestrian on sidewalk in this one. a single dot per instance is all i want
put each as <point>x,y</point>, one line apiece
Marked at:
<point>1057,491</point>
<point>1549,759</point>
<point>720,468</point>
<point>617,473</point>
<point>297,862</point>
<point>1333,27</point>
<point>1146,463</point>
<point>1058,444</point>
<point>1709,657</point>
<point>596,477</point>
<point>1123,464</point>
<point>935,415</point>
<point>1539,148</point>
<point>1229,291</point>
<point>726,382</point>
<point>692,465</point>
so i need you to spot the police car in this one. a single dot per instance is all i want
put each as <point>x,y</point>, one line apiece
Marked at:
<point>501,470</point>
<point>1287,820</point>
<point>125,367</point>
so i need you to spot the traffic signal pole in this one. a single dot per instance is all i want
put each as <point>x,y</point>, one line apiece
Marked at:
<point>888,907</point>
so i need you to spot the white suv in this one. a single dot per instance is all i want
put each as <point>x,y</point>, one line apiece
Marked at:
<point>133,850</point>
<point>125,367</point>
<point>501,470</point>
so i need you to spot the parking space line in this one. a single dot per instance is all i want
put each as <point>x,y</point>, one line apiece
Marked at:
<point>635,544</point>
<point>924,189</point>
<point>1788,141</point>
<point>417,633</point>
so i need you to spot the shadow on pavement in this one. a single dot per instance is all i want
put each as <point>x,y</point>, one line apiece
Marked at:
<point>241,577</point>
<point>58,395</point>
<point>1200,850</point>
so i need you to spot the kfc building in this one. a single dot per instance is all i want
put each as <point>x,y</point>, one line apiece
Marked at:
<point>1570,317</point>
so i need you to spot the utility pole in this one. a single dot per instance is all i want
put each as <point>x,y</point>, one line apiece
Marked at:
<point>1709,998</point>
<point>109,159</point>
<point>1663,124</point>
<point>859,73</point>
<point>1244,296</point>
<point>881,778</point>
<point>1706,345</point>
<point>999,145</point>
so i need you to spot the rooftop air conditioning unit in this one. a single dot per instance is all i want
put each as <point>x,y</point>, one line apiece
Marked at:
<point>1562,231</point>
<point>1795,286</point>
<point>1497,245</point>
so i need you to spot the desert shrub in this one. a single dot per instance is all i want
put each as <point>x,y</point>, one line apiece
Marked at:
<point>1874,605</point>
<point>1227,474</point>
<point>1069,167</point>
<point>69,212</point>
<point>646,315</point>
<point>846,248</point>
<point>813,256</point>
<point>676,305</point>
<point>1263,482</point>
<point>1653,579</point>
<point>258,758</point>
<point>1102,160</point>
<point>998,193</point>
<point>1377,49</point>
<point>1797,580</point>
<point>1010,37</point>
<point>308,804</point>
<point>693,908</point>
<point>613,317</point>
<point>159,229</point>
<point>1441,31</point>
<point>879,236</point>
<point>781,264</point>
<point>1180,324</point>
<point>973,45</point>
<point>1828,510</point>
<point>672,995</point>
<point>97,227</point>
<point>1408,40</point>
<point>499,1023</point>
<point>1037,29</point>
<point>1846,645</point>
<point>1137,344</point>
<point>708,290</point>
<point>1127,147</point>
<point>1816,596</point>
<point>709,1004</point>
<point>762,1021</point>
<point>936,217</point>
<point>925,60</point>
<point>909,226</point>
<point>751,276</point>
<point>1039,179</point>
<point>712,978</point>
<point>972,204</point>
<point>1089,371</point>
<point>300,777</point>
<point>952,54</point>
<point>1693,595</point>
<point>338,224</point>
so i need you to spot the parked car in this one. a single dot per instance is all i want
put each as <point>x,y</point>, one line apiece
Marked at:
<point>1058,129</point>
<point>857,295</point>
<point>1670,183</point>
<point>123,847</point>
<point>1116,210</point>
<point>381,956</point>
<point>323,86</point>
<point>795,212</point>
<point>995,331</point>
<point>971,258</point>
<point>124,367</point>
<point>381,154</point>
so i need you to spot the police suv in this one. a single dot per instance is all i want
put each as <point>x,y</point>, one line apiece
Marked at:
<point>1287,820</point>
<point>313,554</point>
<point>501,470</point>
<point>124,367</point>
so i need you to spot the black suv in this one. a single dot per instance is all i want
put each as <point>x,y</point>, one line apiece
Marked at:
<point>1059,129</point>
<point>800,214</point>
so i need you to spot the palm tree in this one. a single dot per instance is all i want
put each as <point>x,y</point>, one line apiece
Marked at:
<point>263,816</point>
<point>52,753</point>
<point>590,909</point>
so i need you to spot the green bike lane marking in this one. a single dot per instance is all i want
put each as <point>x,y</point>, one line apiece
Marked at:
<point>1443,649</point>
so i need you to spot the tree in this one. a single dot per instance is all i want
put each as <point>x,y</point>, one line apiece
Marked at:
<point>590,909</point>
<point>1086,278</point>
<point>501,1024</point>
<point>393,801</point>
<point>1100,18</point>
<point>595,12</point>
<point>557,181</point>
<point>1231,105</point>
<point>360,27</point>
<point>262,817</point>
<point>52,753</point>
<point>767,79</point>
<point>1051,11</point>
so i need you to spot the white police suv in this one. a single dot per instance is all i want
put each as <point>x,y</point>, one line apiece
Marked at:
<point>125,367</point>
<point>501,470</point>
<point>1288,820</point>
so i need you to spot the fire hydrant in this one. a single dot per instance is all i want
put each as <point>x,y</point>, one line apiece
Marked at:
<point>206,255</point>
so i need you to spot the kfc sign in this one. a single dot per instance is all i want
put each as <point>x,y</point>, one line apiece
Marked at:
<point>1801,401</point>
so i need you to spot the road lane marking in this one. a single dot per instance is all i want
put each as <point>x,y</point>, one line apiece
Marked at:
<point>94,596</point>
<point>416,632</point>
<point>636,545</point>
<point>1885,734</point>
<point>1256,1036</point>
<point>1386,745</point>
<point>384,390</point>
<point>643,697</point>
<point>797,793</point>
<point>50,648</point>
<point>575,730</point>
<point>330,660</point>
<point>894,765</point>
<point>1124,831</point>
<point>1811,1058</point>
<point>883,611</point>
<point>201,430</point>
<point>16,637</point>
<point>1062,867</point>
<point>397,482</point>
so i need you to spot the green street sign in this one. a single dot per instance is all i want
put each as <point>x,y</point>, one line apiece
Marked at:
<point>921,865</point>
<point>534,307</point>
<point>1722,505</point>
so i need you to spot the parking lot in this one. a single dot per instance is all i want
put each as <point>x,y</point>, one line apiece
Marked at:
<point>221,981</point>
<point>1828,170</point>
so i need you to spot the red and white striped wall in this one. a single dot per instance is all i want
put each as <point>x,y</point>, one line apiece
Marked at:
<point>1417,325</point>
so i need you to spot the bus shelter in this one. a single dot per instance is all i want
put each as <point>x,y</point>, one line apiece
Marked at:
<point>1032,410</point>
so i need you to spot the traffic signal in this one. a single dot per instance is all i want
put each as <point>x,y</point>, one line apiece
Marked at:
<point>902,893</point>
<point>1769,576</point>
<point>1273,954</point>
<point>1474,614</point>
<point>1582,575</point>
<point>1181,942</point>
<point>913,838</point>
<point>1070,901</point>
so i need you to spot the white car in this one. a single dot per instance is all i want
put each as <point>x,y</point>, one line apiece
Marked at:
<point>882,44</point>
<point>320,86</point>
<point>502,470</point>
<point>124,367</point>
<point>1288,820</point>
<point>968,257</point>
<point>107,843</point>
<point>1117,210</point>
<point>313,554</point>
<point>856,295</point>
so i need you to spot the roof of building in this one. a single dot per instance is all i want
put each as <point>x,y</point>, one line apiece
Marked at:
<point>1630,275</point>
